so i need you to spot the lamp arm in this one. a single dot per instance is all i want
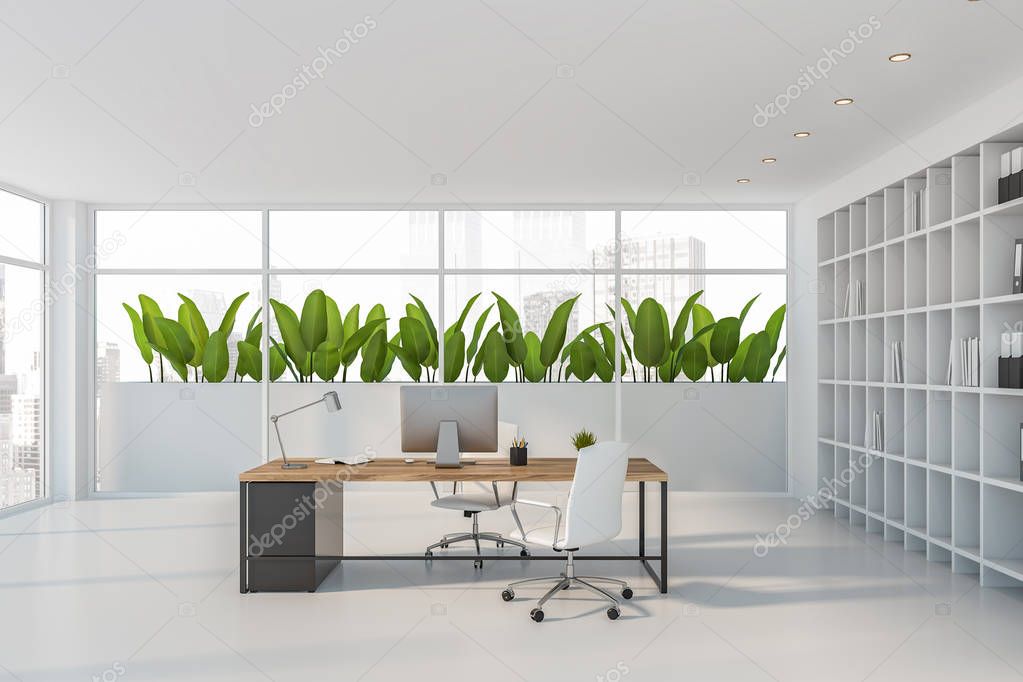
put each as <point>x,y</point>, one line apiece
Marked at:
<point>275,417</point>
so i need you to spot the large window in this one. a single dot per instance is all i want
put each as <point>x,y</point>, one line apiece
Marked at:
<point>22,334</point>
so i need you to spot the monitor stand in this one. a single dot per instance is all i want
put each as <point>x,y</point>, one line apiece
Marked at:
<point>448,454</point>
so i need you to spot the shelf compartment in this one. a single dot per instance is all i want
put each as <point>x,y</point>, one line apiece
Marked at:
<point>858,350</point>
<point>939,339</point>
<point>938,553</point>
<point>894,429</point>
<point>857,227</point>
<point>875,485</point>
<point>875,349</point>
<point>916,499</point>
<point>826,352</point>
<point>842,414</point>
<point>916,271</point>
<point>894,490</point>
<point>875,281</point>
<point>916,425</point>
<point>874,402</point>
<point>999,317</point>
<point>966,431</point>
<point>842,351</point>
<point>841,233</point>
<point>1000,436</point>
<point>911,186</point>
<point>991,169</point>
<point>826,411</point>
<point>915,348</point>
<point>895,262</point>
<point>827,299</point>
<point>857,415</point>
<point>858,273</point>
<point>843,474</point>
<point>858,483</point>
<point>964,565</point>
<point>895,331</point>
<point>939,195</point>
<point>1003,534</point>
<point>965,185</point>
<point>965,323</point>
<point>939,506</point>
<point>825,470</point>
<point>939,421</point>
<point>875,220</point>
<point>966,268</point>
<point>966,509</point>
<point>939,267</point>
<point>1000,235</point>
<point>894,213</point>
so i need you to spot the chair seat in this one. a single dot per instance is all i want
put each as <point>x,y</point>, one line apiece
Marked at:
<point>470,502</point>
<point>541,537</point>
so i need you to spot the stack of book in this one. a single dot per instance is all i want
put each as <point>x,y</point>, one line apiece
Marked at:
<point>895,369</point>
<point>969,361</point>
<point>853,299</point>
<point>1010,180</point>
<point>916,219</point>
<point>876,440</point>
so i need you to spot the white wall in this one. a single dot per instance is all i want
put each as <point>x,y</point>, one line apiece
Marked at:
<point>989,116</point>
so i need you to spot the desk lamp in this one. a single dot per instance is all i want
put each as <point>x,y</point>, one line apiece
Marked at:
<point>333,404</point>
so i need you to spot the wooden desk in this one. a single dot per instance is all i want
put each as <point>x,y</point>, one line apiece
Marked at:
<point>291,521</point>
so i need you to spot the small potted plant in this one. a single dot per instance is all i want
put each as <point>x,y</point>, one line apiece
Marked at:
<point>583,439</point>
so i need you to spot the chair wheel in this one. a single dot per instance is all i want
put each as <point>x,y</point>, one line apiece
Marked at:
<point>627,593</point>
<point>536,614</point>
<point>508,594</point>
<point>478,563</point>
<point>613,613</point>
<point>523,553</point>
<point>565,586</point>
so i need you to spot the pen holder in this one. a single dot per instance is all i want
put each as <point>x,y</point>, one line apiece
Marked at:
<point>517,456</point>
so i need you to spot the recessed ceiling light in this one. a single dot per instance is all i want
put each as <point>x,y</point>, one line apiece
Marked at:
<point>743,181</point>
<point>900,57</point>
<point>842,101</point>
<point>801,133</point>
<point>768,159</point>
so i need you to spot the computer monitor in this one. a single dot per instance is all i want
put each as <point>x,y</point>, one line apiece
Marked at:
<point>448,420</point>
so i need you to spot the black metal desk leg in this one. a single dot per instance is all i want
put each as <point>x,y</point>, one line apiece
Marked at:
<point>642,518</point>
<point>664,537</point>
<point>243,513</point>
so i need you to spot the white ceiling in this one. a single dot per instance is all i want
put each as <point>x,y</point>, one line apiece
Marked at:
<point>126,101</point>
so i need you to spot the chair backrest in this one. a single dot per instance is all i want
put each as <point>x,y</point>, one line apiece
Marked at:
<point>594,510</point>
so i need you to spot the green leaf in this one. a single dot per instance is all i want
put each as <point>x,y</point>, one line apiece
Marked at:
<point>724,341</point>
<point>702,318</point>
<point>777,365</point>
<point>457,326</point>
<point>773,328</point>
<point>414,338</point>
<point>424,317</point>
<point>581,361</point>
<point>373,354</point>
<point>252,322</point>
<point>410,363</point>
<point>512,329</point>
<point>278,360</point>
<point>291,334</point>
<point>608,338</point>
<point>389,357</point>
<point>735,367</point>
<point>255,335</point>
<point>678,333</point>
<point>139,333</point>
<point>150,314</point>
<point>745,309</point>
<point>227,324</point>
<point>251,358</point>
<point>602,367</point>
<point>191,319</point>
<point>694,360</point>
<point>314,320</point>
<point>758,358</point>
<point>178,347</point>
<point>351,323</point>
<point>326,361</point>
<point>477,333</point>
<point>335,325</point>
<point>533,368</point>
<point>282,353</point>
<point>651,334</point>
<point>495,356</point>
<point>215,360</point>
<point>557,328</point>
<point>356,341</point>
<point>630,314</point>
<point>454,355</point>
<point>669,369</point>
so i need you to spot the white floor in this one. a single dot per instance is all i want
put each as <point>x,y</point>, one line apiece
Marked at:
<point>147,589</point>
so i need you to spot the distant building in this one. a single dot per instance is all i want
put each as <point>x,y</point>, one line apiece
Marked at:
<point>671,290</point>
<point>8,387</point>
<point>108,366</point>
<point>26,436</point>
<point>17,486</point>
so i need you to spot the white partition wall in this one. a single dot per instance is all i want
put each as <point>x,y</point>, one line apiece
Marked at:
<point>944,476</point>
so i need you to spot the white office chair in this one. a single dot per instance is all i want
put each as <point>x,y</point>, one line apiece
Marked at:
<point>480,497</point>
<point>593,515</point>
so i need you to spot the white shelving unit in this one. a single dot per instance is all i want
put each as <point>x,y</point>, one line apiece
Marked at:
<point>946,479</point>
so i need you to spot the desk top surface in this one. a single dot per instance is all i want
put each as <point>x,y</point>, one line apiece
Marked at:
<point>397,470</point>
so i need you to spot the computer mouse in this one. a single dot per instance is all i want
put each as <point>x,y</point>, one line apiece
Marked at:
<point>410,460</point>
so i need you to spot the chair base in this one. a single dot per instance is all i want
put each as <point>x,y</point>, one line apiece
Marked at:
<point>474,536</point>
<point>568,580</point>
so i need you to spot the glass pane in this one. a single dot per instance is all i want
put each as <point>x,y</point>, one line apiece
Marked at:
<point>534,298</point>
<point>527,239</point>
<point>171,436</point>
<point>21,227</point>
<point>21,409</point>
<point>353,239</point>
<point>723,295</point>
<point>179,239</point>
<point>392,292</point>
<point>703,239</point>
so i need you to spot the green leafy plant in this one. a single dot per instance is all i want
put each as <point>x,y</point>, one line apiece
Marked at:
<point>583,439</point>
